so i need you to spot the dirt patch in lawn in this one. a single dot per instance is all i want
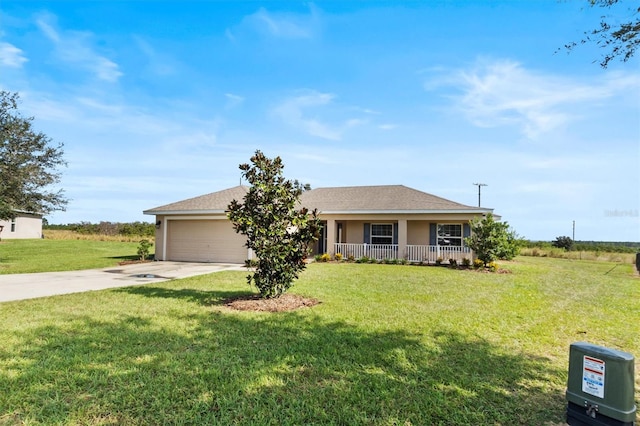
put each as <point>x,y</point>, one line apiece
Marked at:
<point>284,303</point>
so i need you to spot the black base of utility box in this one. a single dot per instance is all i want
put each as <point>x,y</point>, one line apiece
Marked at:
<point>577,416</point>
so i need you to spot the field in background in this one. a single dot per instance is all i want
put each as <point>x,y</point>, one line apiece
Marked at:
<point>559,253</point>
<point>67,252</point>
<point>63,234</point>
<point>388,345</point>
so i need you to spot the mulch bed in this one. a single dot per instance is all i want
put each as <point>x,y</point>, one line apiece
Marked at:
<point>132,262</point>
<point>284,303</point>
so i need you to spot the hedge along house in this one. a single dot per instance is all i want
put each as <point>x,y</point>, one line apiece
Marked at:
<point>381,222</point>
<point>24,225</point>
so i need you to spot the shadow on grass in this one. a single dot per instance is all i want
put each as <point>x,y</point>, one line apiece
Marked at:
<point>224,368</point>
<point>201,297</point>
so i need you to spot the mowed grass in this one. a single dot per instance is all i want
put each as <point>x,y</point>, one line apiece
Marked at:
<point>45,255</point>
<point>388,345</point>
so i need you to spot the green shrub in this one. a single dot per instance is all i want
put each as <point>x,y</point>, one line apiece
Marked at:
<point>439,261</point>
<point>492,266</point>
<point>143,249</point>
<point>363,259</point>
<point>351,258</point>
<point>453,263</point>
<point>466,262</point>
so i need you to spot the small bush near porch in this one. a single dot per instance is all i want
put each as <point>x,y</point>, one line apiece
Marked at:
<point>388,345</point>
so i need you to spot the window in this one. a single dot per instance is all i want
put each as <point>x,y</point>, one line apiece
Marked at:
<point>450,234</point>
<point>381,233</point>
<point>13,225</point>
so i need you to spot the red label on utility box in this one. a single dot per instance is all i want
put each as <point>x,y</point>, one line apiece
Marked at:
<point>593,376</point>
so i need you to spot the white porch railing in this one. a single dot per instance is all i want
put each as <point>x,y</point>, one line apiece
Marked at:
<point>429,254</point>
<point>372,251</point>
<point>414,253</point>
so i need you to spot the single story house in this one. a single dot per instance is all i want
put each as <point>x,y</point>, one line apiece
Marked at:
<point>382,222</point>
<point>24,225</point>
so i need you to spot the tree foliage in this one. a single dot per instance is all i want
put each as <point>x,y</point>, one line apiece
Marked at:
<point>277,229</point>
<point>491,240</point>
<point>29,163</point>
<point>563,243</point>
<point>619,39</point>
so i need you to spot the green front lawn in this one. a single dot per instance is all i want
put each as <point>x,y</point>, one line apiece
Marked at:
<point>388,345</point>
<point>45,255</point>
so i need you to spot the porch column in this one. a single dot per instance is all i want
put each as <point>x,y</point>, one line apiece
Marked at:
<point>331,236</point>
<point>402,238</point>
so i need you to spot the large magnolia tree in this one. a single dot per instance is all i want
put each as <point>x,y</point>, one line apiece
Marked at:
<point>29,164</point>
<point>278,229</point>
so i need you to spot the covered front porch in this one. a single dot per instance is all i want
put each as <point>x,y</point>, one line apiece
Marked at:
<point>425,239</point>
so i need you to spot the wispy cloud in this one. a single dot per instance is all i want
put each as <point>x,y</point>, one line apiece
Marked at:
<point>75,47</point>
<point>504,92</point>
<point>11,56</point>
<point>280,25</point>
<point>233,100</point>
<point>293,111</point>
<point>387,126</point>
<point>158,63</point>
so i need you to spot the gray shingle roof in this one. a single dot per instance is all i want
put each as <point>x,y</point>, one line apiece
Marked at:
<point>216,202</point>
<point>384,198</point>
<point>376,198</point>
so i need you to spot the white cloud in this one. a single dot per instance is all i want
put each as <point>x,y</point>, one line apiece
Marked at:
<point>74,47</point>
<point>158,63</point>
<point>11,56</point>
<point>505,93</point>
<point>233,100</point>
<point>279,24</point>
<point>292,112</point>
<point>387,126</point>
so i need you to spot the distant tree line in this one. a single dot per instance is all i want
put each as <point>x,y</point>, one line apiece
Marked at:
<point>570,245</point>
<point>143,229</point>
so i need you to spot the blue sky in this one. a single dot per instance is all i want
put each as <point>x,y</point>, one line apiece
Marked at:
<point>158,101</point>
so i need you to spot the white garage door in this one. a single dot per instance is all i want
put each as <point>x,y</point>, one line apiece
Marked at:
<point>204,241</point>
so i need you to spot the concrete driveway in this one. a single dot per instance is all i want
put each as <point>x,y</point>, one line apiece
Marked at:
<point>30,286</point>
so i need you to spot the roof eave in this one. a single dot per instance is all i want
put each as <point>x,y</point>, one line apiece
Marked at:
<point>179,212</point>
<point>429,211</point>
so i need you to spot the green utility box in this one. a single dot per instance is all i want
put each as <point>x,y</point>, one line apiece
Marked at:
<point>600,386</point>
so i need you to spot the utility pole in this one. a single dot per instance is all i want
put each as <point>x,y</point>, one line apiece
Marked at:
<point>479,185</point>
<point>574,231</point>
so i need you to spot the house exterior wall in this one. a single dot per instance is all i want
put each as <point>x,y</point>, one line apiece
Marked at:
<point>24,226</point>
<point>417,232</point>
<point>159,239</point>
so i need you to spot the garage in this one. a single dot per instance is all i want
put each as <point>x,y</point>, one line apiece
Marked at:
<point>204,241</point>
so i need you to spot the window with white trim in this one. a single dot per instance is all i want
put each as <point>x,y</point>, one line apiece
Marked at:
<point>13,225</point>
<point>381,233</point>
<point>450,234</point>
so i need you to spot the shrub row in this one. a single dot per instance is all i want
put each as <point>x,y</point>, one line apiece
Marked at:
<point>453,263</point>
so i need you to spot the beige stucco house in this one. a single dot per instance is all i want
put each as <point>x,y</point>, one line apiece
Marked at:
<point>25,225</point>
<point>382,222</point>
